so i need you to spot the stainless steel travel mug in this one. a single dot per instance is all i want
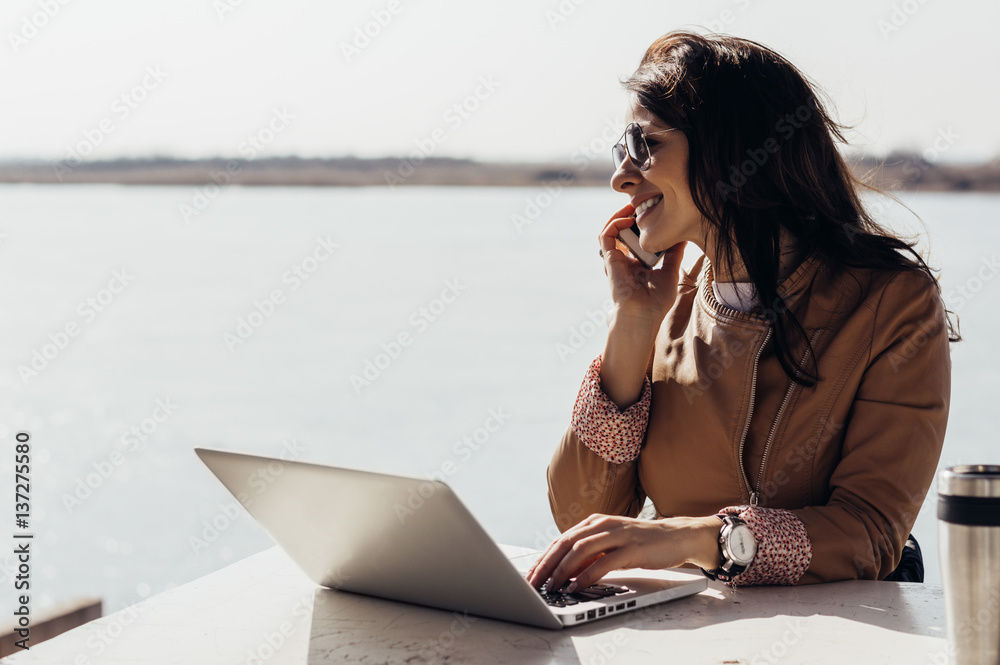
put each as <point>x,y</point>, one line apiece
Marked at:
<point>969,539</point>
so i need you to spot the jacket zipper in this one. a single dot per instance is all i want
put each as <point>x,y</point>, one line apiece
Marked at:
<point>746,425</point>
<point>755,493</point>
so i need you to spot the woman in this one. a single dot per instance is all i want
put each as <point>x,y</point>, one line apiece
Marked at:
<point>784,404</point>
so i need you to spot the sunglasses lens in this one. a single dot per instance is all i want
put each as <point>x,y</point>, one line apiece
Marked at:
<point>637,146</point>
<point>618,155</point>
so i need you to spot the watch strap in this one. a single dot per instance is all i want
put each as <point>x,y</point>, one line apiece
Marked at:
<point>729,569</point>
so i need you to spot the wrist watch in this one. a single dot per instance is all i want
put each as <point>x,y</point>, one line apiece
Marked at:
<point>737,546</point>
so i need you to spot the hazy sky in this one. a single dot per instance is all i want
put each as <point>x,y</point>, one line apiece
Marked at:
<point>521,79</point>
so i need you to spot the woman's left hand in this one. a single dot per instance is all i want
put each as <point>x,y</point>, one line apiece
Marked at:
<point>603,543</point>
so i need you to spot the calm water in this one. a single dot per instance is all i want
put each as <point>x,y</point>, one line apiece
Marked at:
<point>140,316</point>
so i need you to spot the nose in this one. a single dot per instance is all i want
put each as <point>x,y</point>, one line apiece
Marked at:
<point>626,176</point>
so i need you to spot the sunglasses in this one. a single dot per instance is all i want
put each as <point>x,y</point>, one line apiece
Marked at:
<point>634,147</point>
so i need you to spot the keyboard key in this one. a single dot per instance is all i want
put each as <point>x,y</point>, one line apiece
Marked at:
<point>593,592</point>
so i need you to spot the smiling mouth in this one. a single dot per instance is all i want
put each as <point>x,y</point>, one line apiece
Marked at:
<point>646,205</point>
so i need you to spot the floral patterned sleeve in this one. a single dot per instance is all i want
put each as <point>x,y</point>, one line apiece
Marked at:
<point>784,549</point>
<point>614,435</point>
<point>783,546</point>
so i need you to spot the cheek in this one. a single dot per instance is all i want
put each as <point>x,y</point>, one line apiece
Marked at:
<point>680,193</point>
<point>684,195</point>
<point>683,189</point>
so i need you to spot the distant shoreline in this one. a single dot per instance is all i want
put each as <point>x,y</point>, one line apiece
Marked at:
<point>895,172</point>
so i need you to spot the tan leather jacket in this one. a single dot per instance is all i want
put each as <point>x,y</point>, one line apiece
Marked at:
<point>852,457</point>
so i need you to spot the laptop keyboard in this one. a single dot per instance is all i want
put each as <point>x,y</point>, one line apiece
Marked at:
<point>593,592</point>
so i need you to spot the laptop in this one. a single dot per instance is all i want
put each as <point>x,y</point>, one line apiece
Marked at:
<point>413,540</point>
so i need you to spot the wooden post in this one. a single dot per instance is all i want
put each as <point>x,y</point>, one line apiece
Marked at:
<point>52,622</point>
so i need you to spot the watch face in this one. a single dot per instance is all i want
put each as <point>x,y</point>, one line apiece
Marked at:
<point>742,545</point>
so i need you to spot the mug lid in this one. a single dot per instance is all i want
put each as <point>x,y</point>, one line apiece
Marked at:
<point>980,480</point>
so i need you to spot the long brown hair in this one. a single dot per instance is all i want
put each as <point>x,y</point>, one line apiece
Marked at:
<point>763,157</point>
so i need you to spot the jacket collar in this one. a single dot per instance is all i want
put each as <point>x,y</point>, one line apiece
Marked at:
<point>789,290</point>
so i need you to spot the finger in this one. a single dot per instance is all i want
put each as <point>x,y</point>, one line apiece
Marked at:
<point>539,573</point>
<point>627,211</point>
<point>584,550</point>
<point>557,549</point>
<point>616,559</point>
<point>618,258</point>
<point>554,553</point>
<point>585,565</point>
<point>534,576</point>
<point>615,226</point>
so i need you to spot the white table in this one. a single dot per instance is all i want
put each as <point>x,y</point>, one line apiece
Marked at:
<point>264,610</point>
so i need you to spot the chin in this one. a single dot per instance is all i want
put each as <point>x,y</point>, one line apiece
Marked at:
<point>654,245</point>
<point>654,236</point>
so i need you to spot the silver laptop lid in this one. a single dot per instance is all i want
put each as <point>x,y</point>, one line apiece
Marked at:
<point>383,535</point>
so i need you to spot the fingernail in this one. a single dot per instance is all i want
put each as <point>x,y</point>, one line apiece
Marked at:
<point>572,587</point>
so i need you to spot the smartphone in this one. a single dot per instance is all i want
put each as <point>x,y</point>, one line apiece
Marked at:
<point>630,238</point>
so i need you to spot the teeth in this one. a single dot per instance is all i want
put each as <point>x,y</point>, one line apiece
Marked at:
<point>647,204</point>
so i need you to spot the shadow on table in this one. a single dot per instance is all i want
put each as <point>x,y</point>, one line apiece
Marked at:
<point>348,627</point>
<point>904,608</point>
